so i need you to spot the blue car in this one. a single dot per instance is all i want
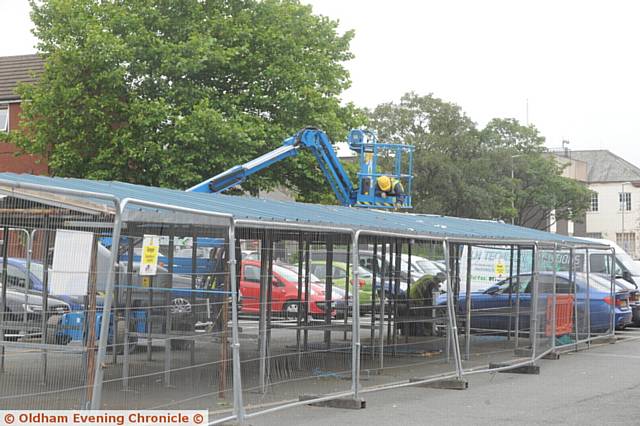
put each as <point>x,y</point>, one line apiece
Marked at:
<point>491,308</point>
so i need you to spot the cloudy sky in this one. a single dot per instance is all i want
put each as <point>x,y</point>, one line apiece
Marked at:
<point>575,63</point>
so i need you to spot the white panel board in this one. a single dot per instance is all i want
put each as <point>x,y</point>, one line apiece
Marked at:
<point>71,263</point>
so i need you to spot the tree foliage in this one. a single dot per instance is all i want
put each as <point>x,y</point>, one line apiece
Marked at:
<point>171,92</point>
<point>464,171</point>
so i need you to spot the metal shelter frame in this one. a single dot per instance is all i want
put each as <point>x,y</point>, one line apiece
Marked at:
<point>124,209</point>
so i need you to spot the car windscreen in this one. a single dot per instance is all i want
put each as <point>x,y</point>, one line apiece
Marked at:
<point>428,267</point>
<point>37,270</point>
<point>628,262</point>
<point>595,281</point>
<point>291,276</point>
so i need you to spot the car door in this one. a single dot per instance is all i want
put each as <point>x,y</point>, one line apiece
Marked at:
<point>281,291</point>
<point>250,288</point>
<point>494,308</point>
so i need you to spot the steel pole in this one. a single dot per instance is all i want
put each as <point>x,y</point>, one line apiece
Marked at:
<point>355,323</point>
<point>453,328</point>
<point>96,400</point>
<point>555,299</point>
<point>612,311</point>
<point>533,326</point>
<point>467,330</point>
<point>588,303</point>
<point>238,405</point>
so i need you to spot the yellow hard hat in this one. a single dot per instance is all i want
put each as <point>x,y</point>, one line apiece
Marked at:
<point>384,183</point>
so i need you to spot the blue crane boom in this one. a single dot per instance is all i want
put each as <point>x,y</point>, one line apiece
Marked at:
<point>318,143</point>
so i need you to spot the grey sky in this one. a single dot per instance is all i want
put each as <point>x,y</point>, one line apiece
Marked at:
<point>576,62</point>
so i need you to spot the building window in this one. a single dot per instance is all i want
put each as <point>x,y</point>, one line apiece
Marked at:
<point>597,235</point>
<point>625,201</point>
<point>4,119</point>
<point>594,202</point>
<point>627,241</point>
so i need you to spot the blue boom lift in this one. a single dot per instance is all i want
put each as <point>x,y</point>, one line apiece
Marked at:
<point>364,142</point>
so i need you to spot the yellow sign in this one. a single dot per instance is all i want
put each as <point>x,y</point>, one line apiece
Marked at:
<point>149,259</point>
<point>500,268</point>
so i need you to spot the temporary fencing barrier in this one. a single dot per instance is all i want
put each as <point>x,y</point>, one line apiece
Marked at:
<point>563,315</point>
<point>246,317</point>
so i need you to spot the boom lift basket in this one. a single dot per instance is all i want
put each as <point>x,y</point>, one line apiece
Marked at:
<point>372,156</point>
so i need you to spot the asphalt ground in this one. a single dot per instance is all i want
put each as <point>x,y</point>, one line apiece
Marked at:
<point>599,386</point>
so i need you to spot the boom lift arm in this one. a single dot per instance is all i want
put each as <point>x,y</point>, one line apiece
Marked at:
<point>318,143</point>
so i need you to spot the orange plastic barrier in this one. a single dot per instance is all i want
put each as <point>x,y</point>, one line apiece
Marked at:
<point>564,314</point>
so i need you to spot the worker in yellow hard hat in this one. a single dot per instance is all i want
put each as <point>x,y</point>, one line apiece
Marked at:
<point>390,187</point>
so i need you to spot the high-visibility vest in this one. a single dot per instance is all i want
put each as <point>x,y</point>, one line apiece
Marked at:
<point>394,183</point>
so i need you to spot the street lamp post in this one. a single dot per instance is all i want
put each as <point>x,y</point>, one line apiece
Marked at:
<point>513,190</point>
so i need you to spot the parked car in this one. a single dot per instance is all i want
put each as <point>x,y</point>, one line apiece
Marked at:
<point>338,294</point>
<point>284,292</point>
<point>495,301</point>
<point>426,266</point>
<point>339,277</point>
<point>185,316</point>
<point>634,297</point>
<point>23,315</point>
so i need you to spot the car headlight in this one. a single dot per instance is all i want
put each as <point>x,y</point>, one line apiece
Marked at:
<point>32,309</point>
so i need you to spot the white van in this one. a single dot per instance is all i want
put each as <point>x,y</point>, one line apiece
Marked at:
<point>625,267</point>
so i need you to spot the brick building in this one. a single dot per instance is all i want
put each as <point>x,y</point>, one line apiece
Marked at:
<point>14,70</point>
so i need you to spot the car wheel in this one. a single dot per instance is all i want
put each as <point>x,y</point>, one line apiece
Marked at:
<point>180,305</point>
<point>291,310</point>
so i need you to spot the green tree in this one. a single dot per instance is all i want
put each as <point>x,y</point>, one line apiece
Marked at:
<point>462,171</point>
<point>171,92</point>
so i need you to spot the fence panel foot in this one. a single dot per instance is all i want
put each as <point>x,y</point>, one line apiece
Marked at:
<point>454,384</point>
<point>553,355</point>
<point>523,369</point>
<point>347,403</point>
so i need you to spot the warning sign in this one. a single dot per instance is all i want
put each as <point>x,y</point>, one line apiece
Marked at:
<point>149,259</point>
<point>500,268</point>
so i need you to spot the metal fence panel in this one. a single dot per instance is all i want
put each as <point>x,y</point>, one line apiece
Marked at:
<point>405,322</point>
<point>498,312</point>
<point>296,315</point>
<point>46,359</point>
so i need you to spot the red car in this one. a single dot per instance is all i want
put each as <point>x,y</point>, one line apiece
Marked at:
<point>283,294</point>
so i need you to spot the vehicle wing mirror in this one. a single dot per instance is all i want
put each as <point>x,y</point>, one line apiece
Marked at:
<point>492,290</point>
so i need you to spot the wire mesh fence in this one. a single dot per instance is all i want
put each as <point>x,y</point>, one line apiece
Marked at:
<point>405,332</point>
<point>49,311</point>
<point>173,346</point>
<point>195,310</point>
<point>296,306</point>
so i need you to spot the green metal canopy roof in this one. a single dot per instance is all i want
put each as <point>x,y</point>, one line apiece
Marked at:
<point>285,213</point>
